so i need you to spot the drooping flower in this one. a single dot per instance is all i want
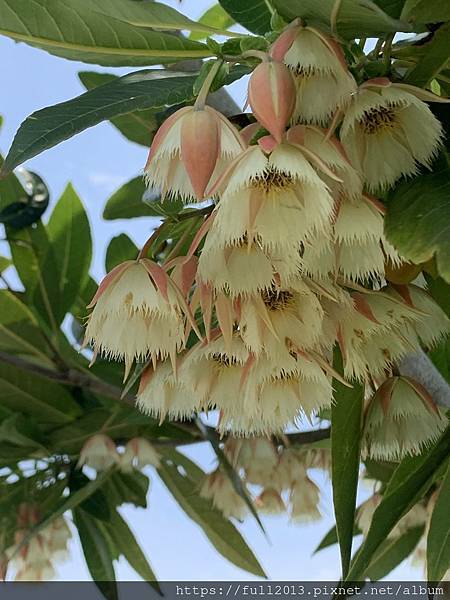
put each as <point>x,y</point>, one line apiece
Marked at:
<point>139,453</point>
<point>257,456</point>
<point>218,488</point>
<point>99,452</point>
<point>272,194</point>
<point>305,498</point>
<point>401,419</point>
<point>388,132</point>
<point>324,83</point>
<point>270,502</point>
<point>190,150</point>
<point>271,95</point>
<point>413,518</point>
<point>161,394</point>
<point>137,313</point>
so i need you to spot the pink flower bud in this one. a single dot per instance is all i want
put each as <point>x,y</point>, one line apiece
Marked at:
<point>271,95</point>
<point>200,148</point>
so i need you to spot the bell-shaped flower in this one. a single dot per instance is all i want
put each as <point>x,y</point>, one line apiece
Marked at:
<point>324,83</point>
<point>256,456</point>
<point>161,394</point>
<point>139,453</point>
<point>273,194</point>
<point>305,498</point>
<point>190,150</point>
<point>218,488</point>
<point>99,452</point>
<point>272,96</point>
<point>388,132</point>
<point>401,419</point>
<point>245,269</point>
<point>270,502</point>
<point>137,313</point>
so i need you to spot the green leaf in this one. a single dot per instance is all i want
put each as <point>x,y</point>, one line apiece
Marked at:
<point>11,190</point>
<point>215,16</point>
<point>70,236</point>
<point>155,15</point>
<point>410,481</point>
<point>418,219</point>
<point>221,533</point>
<point>392,552</point>
<point>19,330</point>
<point>129,202</point>
<point>331,538</point>
<point>346,427</point>
<point>138,126</point>
<point>440,357</point>
<point>127,545</point>
<point>97,552</point>
<point>140,90</point>
<point>4,263</point>
<point>120,249</point>
<point>435,58</point>
<point>36,266</point>
<point>440,291</point>
<point>29,209</point>
<point>70,29</point>
<point>426,11</point>
<point>131,488</point>
<point>438,544</point>
<point>354,19</point>
<point>255,15</point>
<point>31,395</point>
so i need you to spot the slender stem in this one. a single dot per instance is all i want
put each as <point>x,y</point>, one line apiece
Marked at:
<point>387,47</point>
<point>263,56</point>
<point>149,243</point>
<point>209,79</point>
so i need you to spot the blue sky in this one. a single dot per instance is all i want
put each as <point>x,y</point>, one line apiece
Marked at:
<point>97,162</point>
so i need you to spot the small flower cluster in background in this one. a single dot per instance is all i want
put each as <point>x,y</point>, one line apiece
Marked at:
<point>279,474</point>
<point>34,559</point>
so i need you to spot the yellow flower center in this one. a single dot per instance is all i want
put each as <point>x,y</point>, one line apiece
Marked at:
<point>379,118</point>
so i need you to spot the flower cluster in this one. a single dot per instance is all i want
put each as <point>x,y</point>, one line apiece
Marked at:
<point>290,263</point>
<point>33,559</point>
<point>278,477</point>
<point>100,453</point>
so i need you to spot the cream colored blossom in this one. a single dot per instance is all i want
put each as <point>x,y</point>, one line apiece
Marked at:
<point>257,456</point>
<point>137,313</point>
<point>305,498</point>
<point>162,395</point>
<point>191,149</point>
<point>274,197</point>
<point>270,502</point>
<point>401,419</point>
<point>99,453</point>
<point>139,453</point>
<point>389,132</point>
<point>324,83</point>
<point>218,488</point>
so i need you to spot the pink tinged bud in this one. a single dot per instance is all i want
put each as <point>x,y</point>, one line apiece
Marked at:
<point>271,95</point>
<point>281,46</point>
<point>200,147</point>
<point>162,133</point>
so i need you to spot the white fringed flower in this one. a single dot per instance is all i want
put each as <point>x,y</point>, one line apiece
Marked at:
<point>139,453</point>
<point>245,269</point>
<point>99,453</point>
<point>274,197</point>
<point>401,419</point>
<point>218,488</point>
<point>324,83</point>
<point>257,457</point>
<point>305,498</point>
<point>162,395</point>
<point>137,313</point>
<point>281,319</point>
<point>191,149</point>
<point>270,502</point>
<point>434,323</point>
<point>388,132</point>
